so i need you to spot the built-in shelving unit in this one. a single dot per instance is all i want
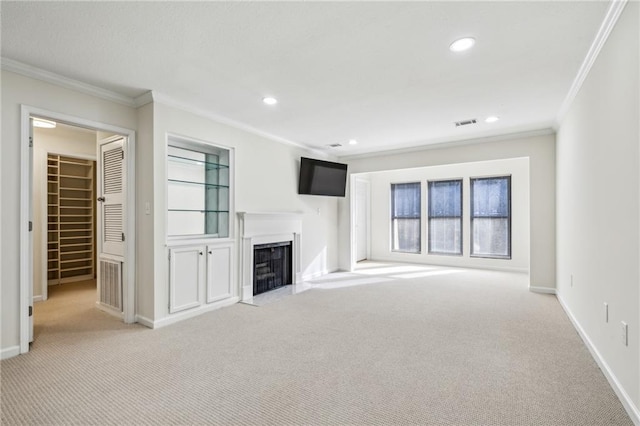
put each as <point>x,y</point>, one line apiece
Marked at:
<point>199,221</point>
<point>70,219</point>
<point>197,190</point>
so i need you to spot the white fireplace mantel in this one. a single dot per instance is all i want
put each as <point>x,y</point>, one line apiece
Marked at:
<point>265,228</point>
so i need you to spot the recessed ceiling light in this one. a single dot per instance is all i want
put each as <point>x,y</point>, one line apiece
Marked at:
<point>491,119</point>
<point>269,100</point>
<point>45,124</point>
<point>462,44</point>
<point>353,142</point>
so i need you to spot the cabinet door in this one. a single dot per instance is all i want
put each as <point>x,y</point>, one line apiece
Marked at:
<point>219,264</point>
<point>186,277</point>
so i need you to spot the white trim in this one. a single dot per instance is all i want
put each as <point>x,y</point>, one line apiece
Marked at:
<point>66,82</point>
<point>10,352</point>
<point>37,299</point>
<point>145,98</point>
<point>390,259</point>
<point>626,401</point>
<point>543,290</point>
<point>352,221</point>
<point>448,143</point>
<point>144,321</point>
<point>173,103</point>
<point>181,316</point>
<point>26,253</point>
<point>353,196</point>
<point>609,22</point>
<point>313,276</point>
<point>263,228</point>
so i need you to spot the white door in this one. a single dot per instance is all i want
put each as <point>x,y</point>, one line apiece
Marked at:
<point>111,196</point>
<point>111,208</point>
<point>186,277</point>
<point>218,272</point>
<point>362,219</point>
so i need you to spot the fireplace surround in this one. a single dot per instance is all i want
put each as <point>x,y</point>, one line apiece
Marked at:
<point>257,228</point>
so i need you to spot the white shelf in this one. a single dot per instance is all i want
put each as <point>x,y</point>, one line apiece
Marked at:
<point>77,172</point>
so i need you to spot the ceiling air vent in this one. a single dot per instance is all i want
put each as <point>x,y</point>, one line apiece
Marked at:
<point>335,145</point>
<point>466,122</point>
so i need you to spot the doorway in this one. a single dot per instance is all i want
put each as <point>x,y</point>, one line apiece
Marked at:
<point>64,217</point>
<point>362,195</point>
<point>32,273</point>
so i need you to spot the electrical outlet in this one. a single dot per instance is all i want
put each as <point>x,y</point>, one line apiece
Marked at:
<point>606,312</point>
<point>625,333</point>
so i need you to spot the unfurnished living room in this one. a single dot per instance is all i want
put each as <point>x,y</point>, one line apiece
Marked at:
<point>320,212</point>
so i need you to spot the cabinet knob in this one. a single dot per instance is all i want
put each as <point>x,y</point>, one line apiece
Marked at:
<point>210,252</point>
<point>200,253</point>
<point>101,199</point>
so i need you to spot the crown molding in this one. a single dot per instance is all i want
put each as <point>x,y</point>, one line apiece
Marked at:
<point>609,22</point>
<point>541,131</point>
<point>148,97</point>
<point>145,98</point>
<point>66,82</point>
<point>171,102</point>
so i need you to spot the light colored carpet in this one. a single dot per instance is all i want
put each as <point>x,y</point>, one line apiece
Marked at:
<point>386,345</point>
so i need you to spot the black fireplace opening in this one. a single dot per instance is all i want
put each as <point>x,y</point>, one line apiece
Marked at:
<point>271,266</point>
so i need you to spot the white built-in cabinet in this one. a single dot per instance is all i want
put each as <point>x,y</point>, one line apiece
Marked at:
<point>199,275</point>
<point>199,215</point>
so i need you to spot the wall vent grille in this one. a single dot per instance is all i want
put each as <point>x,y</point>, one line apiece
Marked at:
<point>111,284</point>
<point>466,122</point>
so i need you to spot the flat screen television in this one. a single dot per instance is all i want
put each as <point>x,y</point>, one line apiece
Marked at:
<point>319,177</point>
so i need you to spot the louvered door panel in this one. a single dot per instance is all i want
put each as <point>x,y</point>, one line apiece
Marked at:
<point>112,178</point>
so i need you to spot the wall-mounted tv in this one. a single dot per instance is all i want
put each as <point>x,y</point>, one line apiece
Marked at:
<point>319,177</point>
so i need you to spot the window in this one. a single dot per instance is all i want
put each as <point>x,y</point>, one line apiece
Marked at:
<point>491,217</point>
<point>445,217</point>
<point>197,189</point>
<point>405,217</point>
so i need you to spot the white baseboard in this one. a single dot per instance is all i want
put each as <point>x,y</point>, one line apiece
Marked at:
<point>10,352</point>
<point>627,402</point>
<point>544,290</point>
<point>434,262</point>
<point>174,318</point>
<point>144,321</point>
<point>37,299</point>
<point>315,275</point>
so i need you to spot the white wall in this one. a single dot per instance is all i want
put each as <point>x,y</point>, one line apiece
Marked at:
<point>145,237</point>
<point>64,140</point>
<point>18,90</point>
<point>518,169</point>
<point>540,150</point>
<point>598,197</point>
<point>266,180</point>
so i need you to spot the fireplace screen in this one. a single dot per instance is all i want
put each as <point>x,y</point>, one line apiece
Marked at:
<point>271,266</point>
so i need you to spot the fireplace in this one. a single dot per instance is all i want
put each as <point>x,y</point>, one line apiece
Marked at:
<point>271,229</point>
<point>271,266</point>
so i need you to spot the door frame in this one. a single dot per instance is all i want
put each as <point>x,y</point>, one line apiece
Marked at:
<point>352,204</point>
<point>26,214</point>
<point>367,209</point>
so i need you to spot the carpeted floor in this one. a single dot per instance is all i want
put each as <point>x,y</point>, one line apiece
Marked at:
<point>389,344</point>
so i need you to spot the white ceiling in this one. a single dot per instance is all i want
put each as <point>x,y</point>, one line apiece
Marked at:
<point>379,72</point>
